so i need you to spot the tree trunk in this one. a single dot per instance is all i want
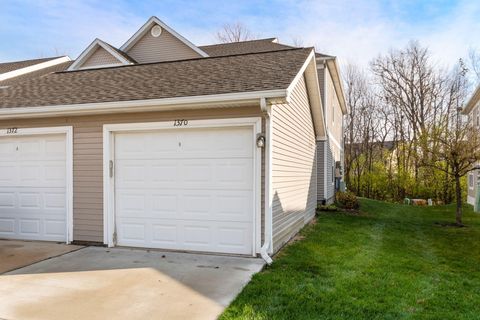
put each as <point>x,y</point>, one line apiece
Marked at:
<point>458,192</point>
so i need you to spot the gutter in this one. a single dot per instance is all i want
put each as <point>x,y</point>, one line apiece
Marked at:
<point>268,244</point>
<point>165,104</point>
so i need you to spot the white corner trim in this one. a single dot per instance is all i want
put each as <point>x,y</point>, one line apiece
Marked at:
<point>332,138</point>
<point>68,131</point>
<point>154,20</point>
<point>211,101</point>
<point>91,49</point>
<point>35,67</point>
<point>109,154</point>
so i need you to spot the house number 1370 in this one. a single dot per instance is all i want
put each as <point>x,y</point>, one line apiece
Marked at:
<point>180,123</point>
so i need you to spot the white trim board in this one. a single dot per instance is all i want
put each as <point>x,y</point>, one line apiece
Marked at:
<point>91,49</point>
<point>164,104</point>
<point>68,131</point>
<point>109,182</point>
<point>144,29</point>
<point>35,67</point>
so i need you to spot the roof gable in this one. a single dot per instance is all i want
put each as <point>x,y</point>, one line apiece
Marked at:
<point>157,42</point>
<point>100,54</point>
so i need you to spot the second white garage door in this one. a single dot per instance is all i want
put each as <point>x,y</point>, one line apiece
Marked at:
<point>188,189</point>
<point>33,187</point>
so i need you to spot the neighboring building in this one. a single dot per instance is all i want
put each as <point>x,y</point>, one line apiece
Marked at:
<point>472,109</point>
<point>163,144</point>
<point>331,147</point>
<point>15,72</point>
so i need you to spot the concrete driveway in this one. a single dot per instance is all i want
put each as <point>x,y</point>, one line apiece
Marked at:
<point>16,254</point>
<point>102,283</point>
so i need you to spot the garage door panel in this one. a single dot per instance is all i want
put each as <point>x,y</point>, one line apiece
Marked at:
<point>222,205</point>
<point>188,189</point>
<point>235,174</point>
<point>209,236</point>
<point>7,226</point>
<point>33,187</point>
<point>8,173</point>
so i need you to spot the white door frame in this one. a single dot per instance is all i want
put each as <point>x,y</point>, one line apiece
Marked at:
<point>68,131</point>
<point>108,155</point>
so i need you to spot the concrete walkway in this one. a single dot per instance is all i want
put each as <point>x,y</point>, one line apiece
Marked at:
<point>101,283</point>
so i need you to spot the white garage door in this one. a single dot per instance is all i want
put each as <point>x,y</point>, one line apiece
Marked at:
<point>188,189</point>
<point>32,187</point>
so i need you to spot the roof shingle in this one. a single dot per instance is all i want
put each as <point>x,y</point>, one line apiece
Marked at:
<point>39,73</point>
<point>243,47</point>
<point>195,77</point>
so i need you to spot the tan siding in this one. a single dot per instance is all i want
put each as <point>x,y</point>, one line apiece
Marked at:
<point>293,166</point>
<point>100,57</point>
<point>88,155</point>
<point>164,48</point>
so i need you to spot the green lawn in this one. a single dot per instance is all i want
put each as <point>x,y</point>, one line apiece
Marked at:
<point>391,262</point>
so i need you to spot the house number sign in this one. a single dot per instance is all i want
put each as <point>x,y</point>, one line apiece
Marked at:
<point>180,123</point>
<point>12,130</point>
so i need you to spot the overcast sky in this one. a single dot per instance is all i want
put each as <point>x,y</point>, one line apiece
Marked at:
<point>354,30</point>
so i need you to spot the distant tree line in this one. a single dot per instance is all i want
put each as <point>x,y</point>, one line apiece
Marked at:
<point>405,135</point>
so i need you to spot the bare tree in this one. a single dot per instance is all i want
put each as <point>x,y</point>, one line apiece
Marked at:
<point>452,142</point>
<point>297,42</point>
<point>474,61</point>
<point>234,32</point>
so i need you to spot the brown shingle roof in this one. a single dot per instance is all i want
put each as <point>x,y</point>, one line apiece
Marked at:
<point>39,73</point>
<point>243,47</point>
<point>11,66</point>
<point>203,76</point>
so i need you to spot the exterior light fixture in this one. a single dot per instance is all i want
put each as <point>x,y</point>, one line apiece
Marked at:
<point>261,141</point>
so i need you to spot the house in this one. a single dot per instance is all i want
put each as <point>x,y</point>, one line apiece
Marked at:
<point>15,72</point>
<point>472,110</point>
<point>163,144</point>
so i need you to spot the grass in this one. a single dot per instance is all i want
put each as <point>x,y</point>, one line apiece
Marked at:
<point>391,262</point>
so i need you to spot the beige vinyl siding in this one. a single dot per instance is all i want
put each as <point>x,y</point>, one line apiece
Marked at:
<point>88,155</point>
<point>293,166</point>
<point>100,57</point>
<point>164,48</point>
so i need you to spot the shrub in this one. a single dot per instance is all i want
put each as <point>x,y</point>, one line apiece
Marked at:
<point>347,200</point>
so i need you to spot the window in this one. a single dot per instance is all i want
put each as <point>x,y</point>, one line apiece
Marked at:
<point>470,180</point>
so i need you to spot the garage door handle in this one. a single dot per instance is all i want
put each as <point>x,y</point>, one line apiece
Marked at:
<point>111,168</point>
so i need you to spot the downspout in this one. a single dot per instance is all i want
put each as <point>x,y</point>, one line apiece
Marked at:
<point>267,245</point>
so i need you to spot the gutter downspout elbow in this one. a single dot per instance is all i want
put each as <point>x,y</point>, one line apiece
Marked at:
<point>264,253</point>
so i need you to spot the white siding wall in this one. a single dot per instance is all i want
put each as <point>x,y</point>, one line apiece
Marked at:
<point>293,166</point>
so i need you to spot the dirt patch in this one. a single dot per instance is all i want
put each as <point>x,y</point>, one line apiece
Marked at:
<point>450,224</point>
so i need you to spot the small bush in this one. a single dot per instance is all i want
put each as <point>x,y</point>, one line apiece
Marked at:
<point>330,207</point>
<point>347,200</point>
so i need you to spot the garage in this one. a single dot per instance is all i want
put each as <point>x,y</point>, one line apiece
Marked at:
<point>191,188</point>
<point>34,184</point>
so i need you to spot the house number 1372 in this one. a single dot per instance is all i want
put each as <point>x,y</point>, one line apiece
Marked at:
<point>180,123</point>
